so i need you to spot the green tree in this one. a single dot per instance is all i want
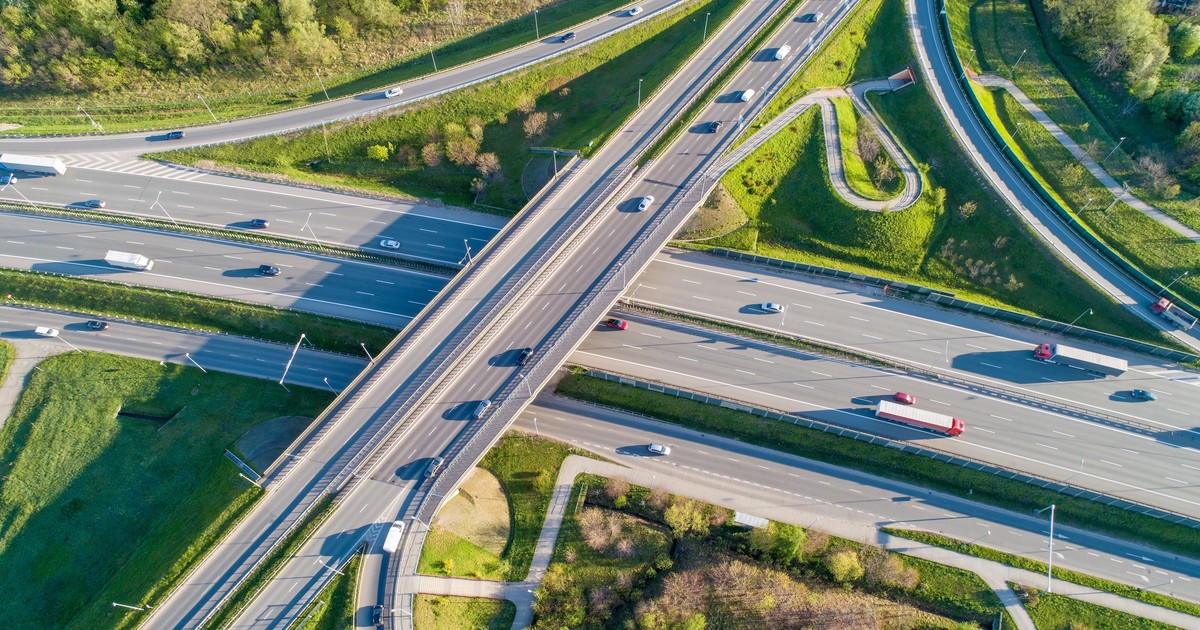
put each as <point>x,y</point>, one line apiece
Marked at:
<point>685,516</point>
<point>844,566</point>
<point>1185,41</point>
<point>378,153</point>
<point>1114,36</point>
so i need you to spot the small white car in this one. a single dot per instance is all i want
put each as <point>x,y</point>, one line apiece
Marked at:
<point>484,405</point>
<point>745,95</point>
<point>393,92</point>
<point>45,331</point>
<point>634,11</point>
<point>645,203</point>
<point>782,52</point>
<point>771,307</point>
<point>389,243</point>
<point>659,449</point>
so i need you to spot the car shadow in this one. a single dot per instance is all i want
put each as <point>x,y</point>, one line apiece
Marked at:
<point>755,309</point>
<point>460,412</point>
<point>414,470</point>
<point>764,55</point>
<point>508,358</point>
<point>252,272</point>
<point>700,128</point>
<point>159,137</point>
<point>731,97</point>
<point>636,450</point>
<point>630,205</point>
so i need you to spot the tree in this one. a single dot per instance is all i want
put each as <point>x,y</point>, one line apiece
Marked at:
<point>431,155</point>
<point>535,124</point>
<point>844,566</point>
<point>462,151</point>
<point>1185,41</point>
<point>489,166</point>
<point>526,103</point>
<point>378,153</point>
<point>685,517</point>
<point>868,142</point>
<point>1113,36</point>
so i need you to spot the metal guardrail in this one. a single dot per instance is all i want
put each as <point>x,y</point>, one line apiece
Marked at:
<point>904,447</point>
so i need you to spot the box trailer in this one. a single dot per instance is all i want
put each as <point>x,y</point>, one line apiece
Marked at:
<point>1173,314</point>
<point>1081,359</point>
<point>32,164</point>
<point>920,418</point>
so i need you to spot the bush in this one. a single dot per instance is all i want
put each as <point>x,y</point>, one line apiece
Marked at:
<point>378,153</point>
<point>844,566</point>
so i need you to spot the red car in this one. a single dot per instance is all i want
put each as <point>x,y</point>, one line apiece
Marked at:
<point>618,324</point>
<point>904,399</point>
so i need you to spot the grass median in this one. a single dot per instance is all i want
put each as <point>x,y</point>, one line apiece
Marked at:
<point>438,612</point>
<point>866,178</point>
<point>883,461</point>
<point>100,507</point>
<point>335,607</point>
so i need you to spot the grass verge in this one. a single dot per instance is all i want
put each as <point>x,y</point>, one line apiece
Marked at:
<point>883,461</point>
<point>99,507</point>
<point>184,310</point>
<point>437,612</point>
<point>1029,564</point>
<point>861,175</point>
<point>7,355</point>
<point>446,553</point>
<point>1057,612</point>
<point>334,608</point>
<point>432,149</point>
<point>270,565</point>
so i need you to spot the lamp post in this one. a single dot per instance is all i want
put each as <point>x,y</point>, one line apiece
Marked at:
<point>1172,282</point>
<point>1050,555</point>
<point>639,93</point>
<point>1014,66</point>
<point>210,111</point>
<point>1114,150</point>
<point>537,32</point>
<point>705,37</point>
<point>1087,312</point>
<point>318,73</point>
<point>95,124</point>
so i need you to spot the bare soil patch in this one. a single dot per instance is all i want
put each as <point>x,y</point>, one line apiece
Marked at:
<point>478,513</point>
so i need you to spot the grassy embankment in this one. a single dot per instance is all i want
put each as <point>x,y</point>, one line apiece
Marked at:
<point>335,607</point>
<point>101,508</point>
<point>184,310</point>
<point>999,32</point>
<point>583,97</point>
<point>435,612</point>
<point>861,175</point>
<point>959,236</point>
<point>883,461</point>
<point>498,25</point>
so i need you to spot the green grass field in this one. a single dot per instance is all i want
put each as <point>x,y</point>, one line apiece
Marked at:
<point>1056,612</point>
<point>584,96</point>
<point>100,508</point>
<point>860,174</point>
<point>435,612</point>
<point>7,354</point>
<point>335,607</point>
<point>883,461</point>
<point>446,553</point>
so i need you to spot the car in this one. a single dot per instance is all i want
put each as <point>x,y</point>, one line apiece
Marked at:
<point>260,224</point>
<point>96,324</point>
<point>659,449</point>
<point>782,52</point>
<point>618,324</point>
<point>634,11</point>
<point>713,127</point>
<point>645,202</point>
<point>7,178</point>
<point>904,399</point>
<point>435,466</point>
<point>567,37</point>
<point>93,203</point>
<point>481,409</point>
<point>376,614</point>
<point>1142,394</point>
<point>523,357</point>
<point>268,270</point>
<point>745,95</point>
<point>814,17</point>
<point>390,243</point>
<point>771,307</point>
<point>45,331</point>
<point>175,135</point>
<point>393,92</point>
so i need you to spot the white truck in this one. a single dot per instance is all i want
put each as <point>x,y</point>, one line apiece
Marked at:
<point>1168,311</point>
<point>392,542</point>
<point>127,260</point>
<point>32,164</point>
<point>920,418</point>
<point>1086,360</point>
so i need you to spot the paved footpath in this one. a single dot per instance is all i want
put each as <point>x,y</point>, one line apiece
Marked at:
<point>993,574</point>
<point>29,352</point>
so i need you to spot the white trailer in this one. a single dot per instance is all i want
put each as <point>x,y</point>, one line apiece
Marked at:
<point>920,418</point>
<point>127,260</point>
<point>32,164</point>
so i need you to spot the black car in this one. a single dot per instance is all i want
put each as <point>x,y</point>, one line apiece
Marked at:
<point>93,203</point>
<point>714,126</point>
<point>376,614</point>
<point>524,356</point>
<point>260,224</point>
<point>96,324</point>
<point>268,270</point>
<point>568,37</point>
<point>175,135</point>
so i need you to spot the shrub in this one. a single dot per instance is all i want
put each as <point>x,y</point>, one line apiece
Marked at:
<point>844,566</point>
<point>377,152</point>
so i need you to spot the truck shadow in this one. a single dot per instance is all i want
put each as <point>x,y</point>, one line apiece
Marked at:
<point>96,267</point>
<point>1019,366</point>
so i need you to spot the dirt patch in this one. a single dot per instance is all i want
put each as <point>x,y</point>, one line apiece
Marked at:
<point>719,215</point>
<point>265,441</point>
<point>478,513</point>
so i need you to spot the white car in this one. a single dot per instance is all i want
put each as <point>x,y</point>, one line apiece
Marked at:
<point>659,449</point>
<point>393,92</point>
<point>745,95</point>
<point>481,409</point>
<point>45,331</point>
<point>634,11</point>
<point>771,307</point>
<point>389,243</point>
<point>782,52</point>
<point>646,201</point>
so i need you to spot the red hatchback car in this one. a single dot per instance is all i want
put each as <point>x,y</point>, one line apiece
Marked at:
<point>618,324</point>
<point>904,399</point>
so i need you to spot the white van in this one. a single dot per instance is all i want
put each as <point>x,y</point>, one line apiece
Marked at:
<point>45,331</point>
<point>782,52</point>
<point>394,534</point>
<point>745,95</point>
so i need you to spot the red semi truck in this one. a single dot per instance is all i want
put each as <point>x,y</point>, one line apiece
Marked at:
<point>1173,314</point>
<point>920,418</point>
<point>1086,360</point>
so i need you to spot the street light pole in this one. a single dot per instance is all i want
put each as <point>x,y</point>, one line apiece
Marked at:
<point>705,37</point>
<point>1050,555</point>
<point>1172,282</point>
<point>210,111</point>
<point>368,352</point>
<point>434,59</point>
<point>288,365</point>
<point>535,429</point>
<point>318,73</point>
<point>89,117</point>
<point>1087,312</point>
<point>1114,150</point>
<point>188,355</point>
<point>1014,66</point>
<point>536,31</point>
<point>639,93</point>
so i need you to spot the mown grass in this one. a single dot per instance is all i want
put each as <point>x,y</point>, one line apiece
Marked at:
<point>860,176</point>
<point>586,97</point>
<point>1057,612</point>
<point>1036,566</point>
<point>959,237</point>
<point>883,461</point>
<point>100,508</point>
<point>527,468</point>
<point>7,355</point>
<point>160,105</point>
<point>336,606</point>
<point>447,553</point>
<point>172,308</point>
<point>437,612</point>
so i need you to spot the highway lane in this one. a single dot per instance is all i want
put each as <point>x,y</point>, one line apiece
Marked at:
<point>210,351</point>
<point>788,488</point>
<point>942,340</point>
<point>354,106</point>
<point>426,233</point>
<point>1162,470</point>
<point>356,290</point>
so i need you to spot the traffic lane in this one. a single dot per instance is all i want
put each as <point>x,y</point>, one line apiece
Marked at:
<point>425,233</point>
<point>1001,432</point>
<point>940,340</point>
<point>791,486</point>
<point>357,290</point>
<point>373,102</point>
